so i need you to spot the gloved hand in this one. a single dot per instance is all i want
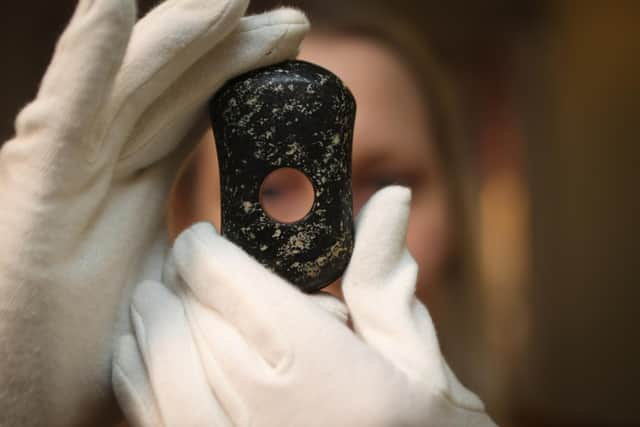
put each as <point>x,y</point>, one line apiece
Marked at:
<point>83,187</point>
<point>233,344</point>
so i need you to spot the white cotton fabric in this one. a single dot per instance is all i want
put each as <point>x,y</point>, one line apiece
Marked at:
<point>225,342</point>
<point>84,183</point>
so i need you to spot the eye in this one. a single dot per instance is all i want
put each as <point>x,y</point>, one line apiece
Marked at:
<point>272,192</point>
<point>286,195</point>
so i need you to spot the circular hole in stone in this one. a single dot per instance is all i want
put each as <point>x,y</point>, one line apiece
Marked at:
<point>286,195</point>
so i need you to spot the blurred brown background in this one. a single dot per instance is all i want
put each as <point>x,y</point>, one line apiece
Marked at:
<point>551,95</point>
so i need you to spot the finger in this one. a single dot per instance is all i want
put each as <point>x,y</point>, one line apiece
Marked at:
<point>257,41</point>
<point>170,276</point>
<point>131,385</point>
<point>215,337</point>
<point>171,38</point>
<point>379,287</point>
<point>164,44</point>
<point>248,296</point>
<point>381,232</point>
<point>233,367</point>
<point>171,359</point>
<point>81,74</point>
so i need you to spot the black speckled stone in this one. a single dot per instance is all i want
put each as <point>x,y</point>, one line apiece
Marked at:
<point>298,115</point>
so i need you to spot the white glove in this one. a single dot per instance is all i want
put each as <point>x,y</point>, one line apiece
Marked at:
<point>239,346</point>
<point>83,187</point>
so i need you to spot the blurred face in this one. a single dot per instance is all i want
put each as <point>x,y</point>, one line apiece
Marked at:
<point>393,143</point>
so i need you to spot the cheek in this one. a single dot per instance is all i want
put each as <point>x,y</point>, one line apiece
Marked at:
<point>208,190</point>
<point>429,238</point>
<point>196,194</point>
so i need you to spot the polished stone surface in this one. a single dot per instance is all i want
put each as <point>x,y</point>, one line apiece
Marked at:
<point>297,115</point>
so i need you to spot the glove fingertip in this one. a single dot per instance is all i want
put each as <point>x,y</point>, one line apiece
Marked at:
<point>186,245</point>
<point>289,15</point>
<point>275,17</point>
<point>286,26</point>
<point>381,227</point>
<point>396,196</point>
<point>297,28</point>
<point>185,238</point>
